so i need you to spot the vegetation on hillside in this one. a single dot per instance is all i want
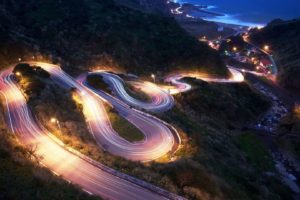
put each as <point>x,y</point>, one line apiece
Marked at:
<point>216,161</point>
<point>283,37</point>
<point>230,162</point>
<point>97,82</point>
<point>289,133</point>
<point>233,104</point>
<point>98,32</point>
<point>123,127</point>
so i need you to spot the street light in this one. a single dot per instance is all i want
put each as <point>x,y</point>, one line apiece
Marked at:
<point>54,120</point>
<point>19,59</point>
<point>19,74</point>
<point>234,48</point>
<point>266,47</point>
<point>153,77</point>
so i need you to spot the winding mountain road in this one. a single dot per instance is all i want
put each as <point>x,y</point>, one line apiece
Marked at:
<point>57,158</point>
<point>160,137</point>
<point>160,99</point>
<point>180,86</point>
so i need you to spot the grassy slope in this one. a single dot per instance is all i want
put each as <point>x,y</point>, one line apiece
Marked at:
<point>255,150</point>
<point>290,125</point>
<point>87,33</point>
<point>233,104</point>
<point>124,128</point>
<point>284,39</point>
<point>228,163</point>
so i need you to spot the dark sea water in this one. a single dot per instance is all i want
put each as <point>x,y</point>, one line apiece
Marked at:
<point>250,12</point>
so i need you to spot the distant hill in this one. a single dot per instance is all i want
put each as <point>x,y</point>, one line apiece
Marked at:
<point>99,32</point>
<point>284,40</point>
<point>154,6</point>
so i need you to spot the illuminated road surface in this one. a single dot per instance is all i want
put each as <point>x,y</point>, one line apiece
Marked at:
<point>159,137</point>
<point>180,86</point>
<point>249,71</point>
<point>59,160</point>
<point>160,99</point>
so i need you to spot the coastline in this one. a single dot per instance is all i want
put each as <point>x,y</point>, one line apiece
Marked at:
<point>187,15</point>
<point>204,12</point>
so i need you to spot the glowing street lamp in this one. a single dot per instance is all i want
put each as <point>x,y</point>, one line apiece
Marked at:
<point>234,48</point>
<point>19,74</point>
<point>19,59</point>
<point>266,47</point>
<point>54,120</point>
<point>297,109</point>
<point>153,77</point>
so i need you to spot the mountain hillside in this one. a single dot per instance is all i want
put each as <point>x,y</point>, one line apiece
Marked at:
<point>283,37</point>
<point>154,6</point>
<point>99,32</point>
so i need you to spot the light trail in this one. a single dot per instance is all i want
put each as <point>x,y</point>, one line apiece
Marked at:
<point>180,86</point>
<point>160,99</point>
<point>57,158</point>
<point>159,138</point>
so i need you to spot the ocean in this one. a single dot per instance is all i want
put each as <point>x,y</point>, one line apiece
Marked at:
<point>249,12</point>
